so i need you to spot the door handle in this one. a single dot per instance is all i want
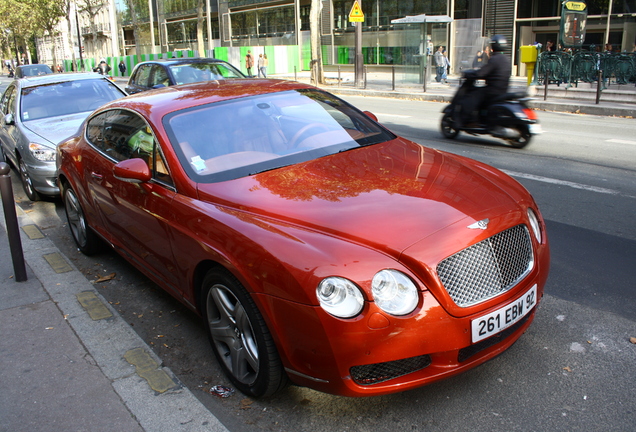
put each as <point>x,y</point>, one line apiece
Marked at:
<point>97,176</point>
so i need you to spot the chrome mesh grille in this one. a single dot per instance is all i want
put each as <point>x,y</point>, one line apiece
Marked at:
<point>488,268</point>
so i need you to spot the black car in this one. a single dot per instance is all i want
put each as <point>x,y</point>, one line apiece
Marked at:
<point>162,73</point>
<point>32,70</point>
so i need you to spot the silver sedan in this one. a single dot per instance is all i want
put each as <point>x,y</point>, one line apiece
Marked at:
<point>38,112</point>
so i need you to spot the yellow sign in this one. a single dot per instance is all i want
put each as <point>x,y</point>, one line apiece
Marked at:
<point>575,6</point>
<point>356,14</point>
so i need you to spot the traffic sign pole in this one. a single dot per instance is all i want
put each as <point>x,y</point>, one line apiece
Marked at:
<point>357,16</point>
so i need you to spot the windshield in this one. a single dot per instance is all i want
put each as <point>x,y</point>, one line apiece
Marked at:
<point>228,140</point>
<point>69,97</point>
<point>196,72</point>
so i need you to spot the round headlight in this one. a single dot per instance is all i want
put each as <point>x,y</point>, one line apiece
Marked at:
<point>534,224</point>
<point>394,292</point>
<point>340,297</point>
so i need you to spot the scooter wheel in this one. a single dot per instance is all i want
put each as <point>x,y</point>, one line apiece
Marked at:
<point>448,126</point>
<point>521,141</point>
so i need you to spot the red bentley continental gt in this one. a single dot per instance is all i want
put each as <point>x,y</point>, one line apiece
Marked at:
<point>318,247</point>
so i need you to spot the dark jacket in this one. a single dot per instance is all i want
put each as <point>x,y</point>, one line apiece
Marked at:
<point>496,73</point>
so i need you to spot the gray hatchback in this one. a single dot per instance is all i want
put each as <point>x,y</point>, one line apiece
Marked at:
<point>38,112</point>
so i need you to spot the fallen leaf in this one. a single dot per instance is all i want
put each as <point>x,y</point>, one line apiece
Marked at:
<point>246,404</point>
<point>567,368</point>
<point>632,340</point>
<point>105,278</point>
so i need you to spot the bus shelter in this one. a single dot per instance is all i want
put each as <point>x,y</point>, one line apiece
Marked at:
<point>422,33</point>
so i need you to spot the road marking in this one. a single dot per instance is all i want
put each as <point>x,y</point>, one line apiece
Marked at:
<point>57,262</point>
<point>562,183</point>
<point>618,141</point>
<point>93,305</point>
<point>147,368</point>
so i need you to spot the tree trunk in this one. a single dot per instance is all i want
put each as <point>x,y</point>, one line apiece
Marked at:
<point>70,37</point>
<point>316,52</point>
<point>200,24</point>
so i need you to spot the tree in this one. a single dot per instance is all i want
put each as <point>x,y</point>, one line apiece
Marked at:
<point>68,9</point>
<point>315,42</point>
<point>17,23</point>
<point>48,14</point>
<point>200,24</point>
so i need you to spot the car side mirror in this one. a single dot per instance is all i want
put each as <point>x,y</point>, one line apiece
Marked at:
<point>9,120</point>
<point>370,115</point>
<point>132,171</point>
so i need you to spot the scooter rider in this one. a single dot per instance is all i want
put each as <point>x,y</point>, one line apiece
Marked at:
<point>496,72</point>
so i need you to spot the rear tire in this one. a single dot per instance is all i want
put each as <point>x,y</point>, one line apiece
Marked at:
<point>85,239</point>
<point>522,140</point>
<point>239,336</point>
<point>447,126</point>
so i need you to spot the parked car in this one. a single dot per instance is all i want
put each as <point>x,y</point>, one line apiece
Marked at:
<point>317,246</point>
<point>37,113</point>
<point>32,70</point>
<point>168,72</point>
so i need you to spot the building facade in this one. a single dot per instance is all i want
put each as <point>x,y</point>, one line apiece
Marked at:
<point>129,27</point>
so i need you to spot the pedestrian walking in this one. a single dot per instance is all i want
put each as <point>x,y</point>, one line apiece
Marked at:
<point>439,63</point>
<point>122,68</point>
<point>249,63</point>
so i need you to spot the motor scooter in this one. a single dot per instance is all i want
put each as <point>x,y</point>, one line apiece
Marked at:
<point>507,116</point>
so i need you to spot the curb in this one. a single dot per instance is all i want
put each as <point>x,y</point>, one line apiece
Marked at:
<point>151,393</point>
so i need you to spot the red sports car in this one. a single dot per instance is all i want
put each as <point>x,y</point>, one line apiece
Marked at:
<point>318,247</point>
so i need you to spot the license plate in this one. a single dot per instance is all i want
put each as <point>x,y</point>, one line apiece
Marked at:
<point>535,129</point>
<point>504,317</point>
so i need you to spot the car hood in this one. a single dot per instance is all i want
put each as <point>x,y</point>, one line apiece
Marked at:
<point>56,129</point>
<point>388,196</point>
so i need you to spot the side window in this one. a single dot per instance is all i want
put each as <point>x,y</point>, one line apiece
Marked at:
<point>124,135</point>
<point>159,76</point>
<point>8,101</point>
<point>143,76</point>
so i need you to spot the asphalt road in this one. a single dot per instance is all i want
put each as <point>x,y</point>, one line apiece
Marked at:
<point>573,370</point>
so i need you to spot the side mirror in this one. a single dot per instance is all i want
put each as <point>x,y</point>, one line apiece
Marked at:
<point>370,115</point>
<point>132,171</point>
<point>9,120</point>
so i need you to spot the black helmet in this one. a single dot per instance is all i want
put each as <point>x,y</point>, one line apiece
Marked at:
<point>498,43</point>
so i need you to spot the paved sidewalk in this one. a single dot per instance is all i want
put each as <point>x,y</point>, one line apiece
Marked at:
<point>69,362</point>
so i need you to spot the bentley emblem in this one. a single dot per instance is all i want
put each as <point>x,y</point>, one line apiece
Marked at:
<point>482,224</point>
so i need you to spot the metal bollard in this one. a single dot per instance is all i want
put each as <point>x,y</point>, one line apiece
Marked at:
<point>339,76</point>
<point>365,77</point>
<point>393,77</point>
<point>13,229</point>
<point>295,76</point>
<point>599,85</point>
<point>546,81</point>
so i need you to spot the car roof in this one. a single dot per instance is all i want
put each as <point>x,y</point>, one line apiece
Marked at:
<point>33,81</point>
<point>174,61</point>
<point>33,65</point>
<point>155,104</point>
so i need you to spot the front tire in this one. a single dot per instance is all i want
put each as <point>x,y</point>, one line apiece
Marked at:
<point>447,126</point>
<point>27,183</point>
<point>85,239</point>
<point>239,336</point>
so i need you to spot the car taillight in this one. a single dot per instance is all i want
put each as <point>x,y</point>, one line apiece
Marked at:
<point>529,113</point>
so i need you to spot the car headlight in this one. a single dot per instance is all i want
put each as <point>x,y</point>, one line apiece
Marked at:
<point>41,152</point>
<point>340,297</point>
<point>534,224</point>
<point>394,292</point>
